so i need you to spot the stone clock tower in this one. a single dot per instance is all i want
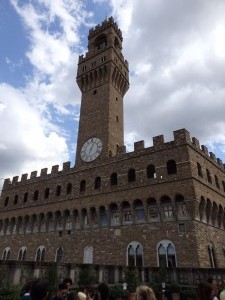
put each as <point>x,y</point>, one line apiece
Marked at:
<point>103,78</point>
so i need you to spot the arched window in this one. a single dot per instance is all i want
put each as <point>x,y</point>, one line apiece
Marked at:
<point>153,211</point>
<point>40,254</point>
<point>47,191</point>
<point>127,215</point>
<point>15,199</point>
<point>94,217</point>
<point>139,211</point>
<point>202,214</point>
<point>114,213</point>
<point>6,203</point>
<point>167,208</point>
<point>101,41</point>
<point>59,255</point>
<point>88,255</point>
<point>166,254</point>
<point>199,167</point>
<point>181,206</point>
<point>151,171</point>
<point>212,257</point>
<point>6,253</point>
<point>103,216</point>
<point>171,167</point>
<point>134,254</point>
<point>131,175</point>
<point>208,211</point>
<point>58,190</point>
<point>217,182</point>
<point>84,216</point>
<point>209,178</point>
<point>223,183</point>
<point>36,195</point>
<point>69,188</point>
<point>82,186</point>
<point>113,179</point>
<point>25,197</point>
<point>97,183</point>
<point>22,253</point>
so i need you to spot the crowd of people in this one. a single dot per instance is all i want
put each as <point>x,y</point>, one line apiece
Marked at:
<point>39,290</point>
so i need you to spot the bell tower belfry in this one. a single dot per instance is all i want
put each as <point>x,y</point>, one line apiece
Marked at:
<point>103,78</point>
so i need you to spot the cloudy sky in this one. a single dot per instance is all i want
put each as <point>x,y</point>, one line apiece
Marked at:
<point>176,54</point>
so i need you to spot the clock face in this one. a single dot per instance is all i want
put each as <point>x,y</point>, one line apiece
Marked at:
<point>91,149</point>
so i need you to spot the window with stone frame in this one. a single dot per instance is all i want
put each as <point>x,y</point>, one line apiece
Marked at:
<point>135,254</point>
<point>171,167</point>
<point>209,178</point>
<point>167,208</point>
<point>212,256</point>
<point>181,207</point>
<point>88,255</point>
<point>199,168</point>
<point>153,211</point>
<point>36,193</point>
<point>47,191</point>
<point>16,197</point>
<point>113,178</point>
<point>217,182</point>
<point>40,254</point>
<point>98,183</point>
<point>181,228</point>
<point>82,185</point>
<point>114,214</point>
<point>25,197</point>
<point>131,175</point>
<point>22,254</point>
<point>58,190</point>
<point>6,253</point>
<point>166,254</point>
<point>69,188</point>
<point>84,215</point>
<point>139,211</point>
<point>103,216</point>
<point>127,215</point>
<point>151,171</point>
<point>59,255</point>
<point>6,203</point>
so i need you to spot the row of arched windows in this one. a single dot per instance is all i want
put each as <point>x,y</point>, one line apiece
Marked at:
<point>113,215</point>
<point>209,177</point>
<point>166,254</point>
<point>131,177</point>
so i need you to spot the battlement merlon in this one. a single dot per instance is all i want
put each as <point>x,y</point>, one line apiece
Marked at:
<point>82,59</point>
<point>33,176</point>
<point>105,24</point>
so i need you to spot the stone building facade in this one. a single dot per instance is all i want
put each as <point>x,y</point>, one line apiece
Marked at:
<point>162,205</point>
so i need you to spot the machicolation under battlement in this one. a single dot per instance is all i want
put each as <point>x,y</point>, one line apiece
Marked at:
<point>101,28</point>
<point>181,137</point>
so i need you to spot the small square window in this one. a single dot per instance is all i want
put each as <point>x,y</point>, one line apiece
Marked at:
<point>181,229</point>
<point>69,232</point>
<point>60,233</point>
<point>95,92</point>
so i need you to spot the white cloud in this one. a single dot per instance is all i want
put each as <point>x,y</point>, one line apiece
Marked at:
<point>176,59</point>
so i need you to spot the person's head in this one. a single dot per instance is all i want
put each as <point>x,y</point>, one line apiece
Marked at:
<point>205,291</point>
<point>145,293</point>
<point>212,282</point>
<point>39,290</point>
<point>62,291</point>
<point>103,290</point>
<point>27,287</point>
<point>68,281</point>
<point>72,296</point>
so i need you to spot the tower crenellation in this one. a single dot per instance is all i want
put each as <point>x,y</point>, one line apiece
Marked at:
<point>104,26</point>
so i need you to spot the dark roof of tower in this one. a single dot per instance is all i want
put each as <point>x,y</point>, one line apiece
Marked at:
<point>101,28</point>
